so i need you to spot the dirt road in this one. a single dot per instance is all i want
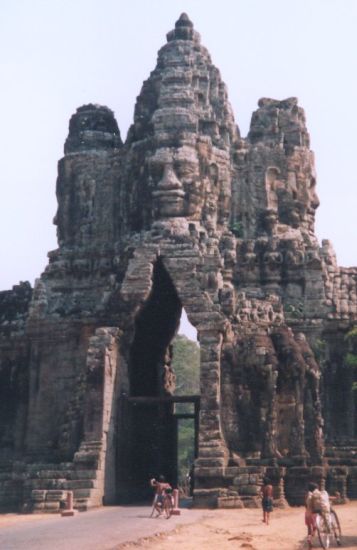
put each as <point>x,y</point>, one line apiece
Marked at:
<point>110,528</point>
<point>243,529</point>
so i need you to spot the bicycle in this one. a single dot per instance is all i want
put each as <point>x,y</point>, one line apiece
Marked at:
<point>168,504</point>
<point>328,527</point>
<point>163,505</point>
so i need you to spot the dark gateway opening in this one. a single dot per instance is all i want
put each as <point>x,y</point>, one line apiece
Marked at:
<point>148,440</point>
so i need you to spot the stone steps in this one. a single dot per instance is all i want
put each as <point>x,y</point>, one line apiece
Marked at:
<point>44,486</point>
<point>341,452</point>
<point>342,456</point>
<point>342,461</point>
<point>243,485</point>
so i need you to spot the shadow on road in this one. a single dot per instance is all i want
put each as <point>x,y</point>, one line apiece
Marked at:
<point>349,542</point>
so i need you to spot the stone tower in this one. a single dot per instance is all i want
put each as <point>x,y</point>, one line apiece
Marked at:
<point>184,214</point>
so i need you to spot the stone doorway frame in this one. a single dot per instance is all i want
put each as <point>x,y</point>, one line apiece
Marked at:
<point>149,401</point>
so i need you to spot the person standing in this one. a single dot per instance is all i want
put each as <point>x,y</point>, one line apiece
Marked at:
<point>267,499</point>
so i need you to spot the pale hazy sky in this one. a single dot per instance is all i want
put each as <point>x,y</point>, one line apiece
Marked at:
<point>56,55</point>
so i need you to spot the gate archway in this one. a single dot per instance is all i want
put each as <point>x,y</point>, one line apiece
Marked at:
<point>147,442</point>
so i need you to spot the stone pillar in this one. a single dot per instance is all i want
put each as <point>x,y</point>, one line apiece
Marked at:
<point>69,505</point>
<point>209,467</point>
<point>352,482</point>
<point>176,510</point>
<point>211,444</point>
<point>97,449</point>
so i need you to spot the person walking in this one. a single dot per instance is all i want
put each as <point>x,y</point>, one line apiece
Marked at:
<point>267,499</point>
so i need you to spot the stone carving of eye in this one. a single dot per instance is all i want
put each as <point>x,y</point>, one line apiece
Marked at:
<point>184,170</point>
<point>156,171</point>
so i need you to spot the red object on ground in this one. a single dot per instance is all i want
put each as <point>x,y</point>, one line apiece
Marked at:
<point>69,511</point>
<point>176,510</point>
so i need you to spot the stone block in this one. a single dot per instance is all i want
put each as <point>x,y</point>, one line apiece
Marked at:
<point>229,502</point>
<point>38,507</point>
<point>250,501</point>
<point>242,479</point>
<point>86,474</point>
<point>38,495</point>
<point>55,495</point>
<point>338,471</point>
<point>254,479</point>
<point>81,484</point>
<point>52,506</point>
<point>249,490</point>
<point>207,498</point>
<point>208,471</point>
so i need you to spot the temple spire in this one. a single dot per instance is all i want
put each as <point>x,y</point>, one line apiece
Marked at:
<point>183,30</point>
<point>184,21</point>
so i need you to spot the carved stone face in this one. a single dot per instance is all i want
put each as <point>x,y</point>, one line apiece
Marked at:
<point>188,170</point>
<point>174,175</point>
<point>298,201</point>
<point>190,181</point>
<point>168,195</point>
<point>183,184</point>
<point>92,127</point>
<point>291,210</point>
<point>313,200</point>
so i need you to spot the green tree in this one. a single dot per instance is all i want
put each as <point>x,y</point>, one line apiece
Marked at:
<point>186,364</point>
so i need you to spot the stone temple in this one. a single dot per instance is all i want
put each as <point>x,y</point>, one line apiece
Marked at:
<point>185,214</point>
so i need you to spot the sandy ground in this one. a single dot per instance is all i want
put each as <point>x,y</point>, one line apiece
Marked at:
<point>235,529</point>
<point>7,519</point>
<point>220,530</point>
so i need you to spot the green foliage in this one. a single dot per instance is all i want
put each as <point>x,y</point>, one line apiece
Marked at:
<point>351,336</point>
<point>351,360</point>
<point>237,229</point>
<point>186,448</point>
<point>319,349</point>
<point>320,346</point>
<point>296,311</point>
<point>354,386</point>
<point>186,364</point>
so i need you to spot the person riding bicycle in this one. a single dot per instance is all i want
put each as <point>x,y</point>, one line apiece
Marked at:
<point>161,489</point>
<point>317,502</point>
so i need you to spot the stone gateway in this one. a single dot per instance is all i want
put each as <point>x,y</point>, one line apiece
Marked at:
<point>185,214</point>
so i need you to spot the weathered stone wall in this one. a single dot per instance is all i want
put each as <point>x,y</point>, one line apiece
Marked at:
<point>14,376</point>
<point>186,213</point>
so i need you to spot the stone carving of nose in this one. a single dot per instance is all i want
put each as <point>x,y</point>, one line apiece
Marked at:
<point>169,194</point>
<point>169,180</point>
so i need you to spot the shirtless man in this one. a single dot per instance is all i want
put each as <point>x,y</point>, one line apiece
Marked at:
<point>267,499</point>
<point>161,487</point>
